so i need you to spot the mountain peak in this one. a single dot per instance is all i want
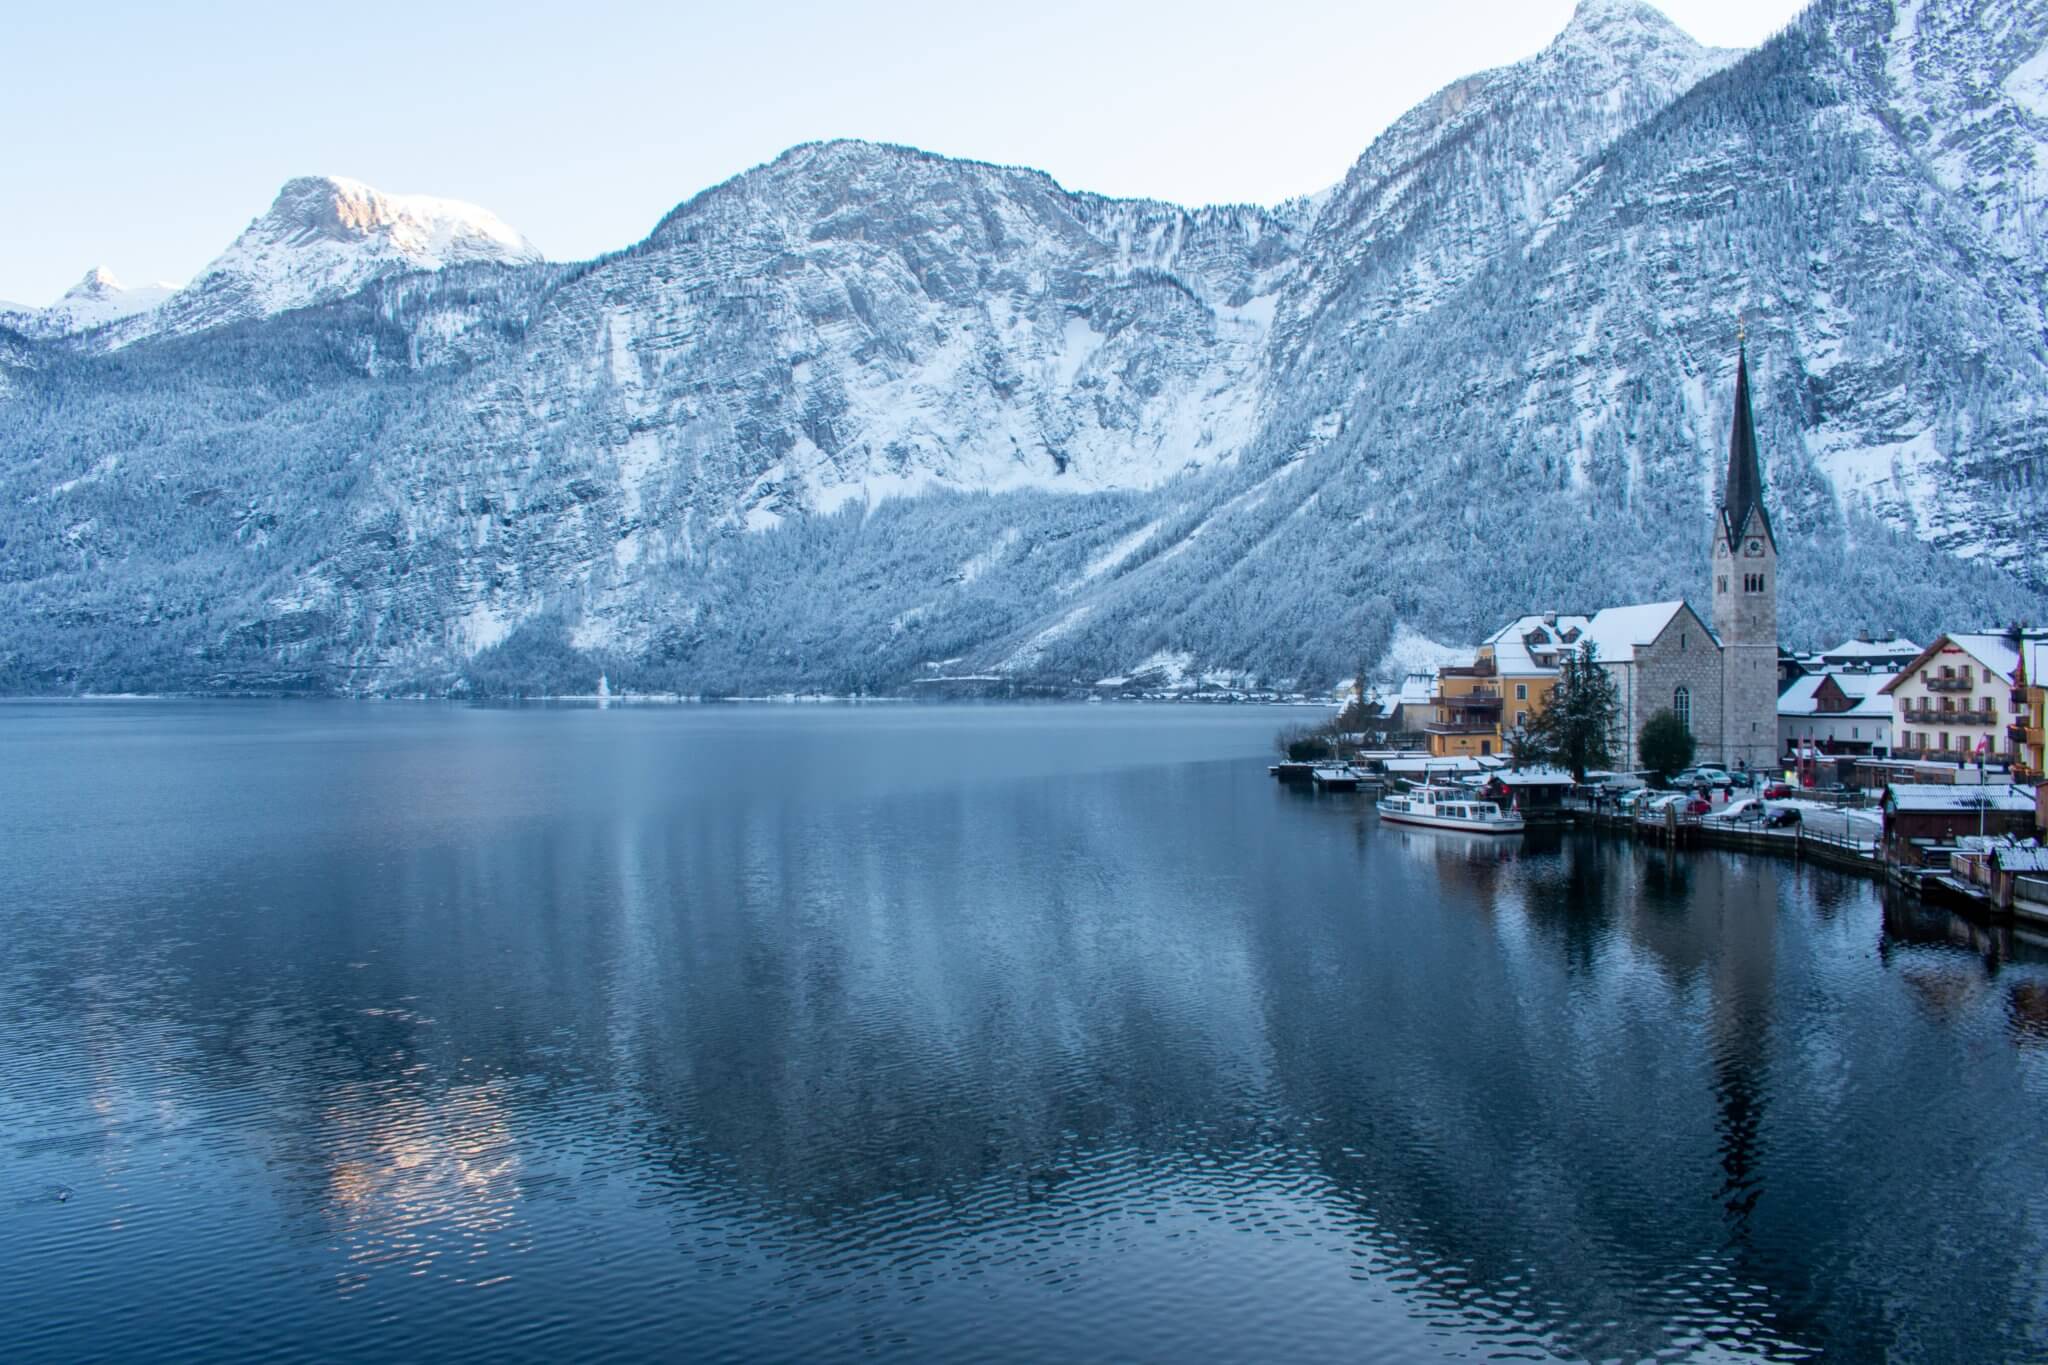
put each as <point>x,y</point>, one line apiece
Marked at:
<point>325,237</point>
<point>427,230</point>
<point>1610,24</point>
<point>99,283</point>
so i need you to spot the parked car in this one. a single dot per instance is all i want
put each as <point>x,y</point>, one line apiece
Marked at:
<point>1777,791</point>
<point>1715,777</point>
<point>1782,817</point>
<point>1699,805</point>
<point>1742,778</point>
<point>1742,810</point>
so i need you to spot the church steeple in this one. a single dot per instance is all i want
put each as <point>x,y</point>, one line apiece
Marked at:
<point>1744,491</point>
<point>1745,559</point>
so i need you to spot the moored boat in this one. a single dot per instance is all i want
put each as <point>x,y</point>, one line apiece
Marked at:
<point>1448,808</point>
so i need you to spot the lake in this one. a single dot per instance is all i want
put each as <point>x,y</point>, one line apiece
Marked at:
<point>355,1031</point>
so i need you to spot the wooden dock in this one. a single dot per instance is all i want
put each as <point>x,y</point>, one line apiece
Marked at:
<point>1673,830</point>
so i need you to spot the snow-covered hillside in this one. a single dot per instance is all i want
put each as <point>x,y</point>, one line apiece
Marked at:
<point>865,417</point>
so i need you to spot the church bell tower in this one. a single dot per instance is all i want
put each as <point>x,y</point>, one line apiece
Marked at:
<point>1746,597</point>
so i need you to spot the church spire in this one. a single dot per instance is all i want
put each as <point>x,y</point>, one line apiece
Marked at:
<point>1744,491</point>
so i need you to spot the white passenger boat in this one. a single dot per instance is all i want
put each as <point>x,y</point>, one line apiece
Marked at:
<point>1448,808</point>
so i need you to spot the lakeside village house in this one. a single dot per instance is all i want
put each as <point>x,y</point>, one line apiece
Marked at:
<point>1721,682</point>
<point>1910,710</point>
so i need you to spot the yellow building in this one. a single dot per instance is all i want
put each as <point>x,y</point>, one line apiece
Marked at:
<point>1479,706</point>
<point>1465,721</point>
<point>2029,702</point>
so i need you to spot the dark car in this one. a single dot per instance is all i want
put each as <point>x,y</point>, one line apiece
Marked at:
<point>1782,817</point>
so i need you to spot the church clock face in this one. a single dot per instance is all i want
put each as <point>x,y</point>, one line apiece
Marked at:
<point>1755,547</point>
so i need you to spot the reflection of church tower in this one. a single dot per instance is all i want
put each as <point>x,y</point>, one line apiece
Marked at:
<point>1746,597</point>
<point>1742,981</point>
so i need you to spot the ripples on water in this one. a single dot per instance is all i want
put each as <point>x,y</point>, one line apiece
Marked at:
<point>413,1032</point>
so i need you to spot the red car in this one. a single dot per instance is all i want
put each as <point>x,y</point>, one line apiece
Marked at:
<point>1699,805</point>
<point>1777,791</point>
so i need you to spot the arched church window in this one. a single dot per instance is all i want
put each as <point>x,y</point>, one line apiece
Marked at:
<point>1681,705</point>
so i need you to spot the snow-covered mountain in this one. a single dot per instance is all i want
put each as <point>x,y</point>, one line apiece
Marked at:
<point>1480,166</point>
<point>869,418</point>
<point>323,238</point>
<point>94,301</point>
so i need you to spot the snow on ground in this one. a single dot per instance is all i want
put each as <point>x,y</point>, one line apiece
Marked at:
<point>1413,652</point>
<point>483,627</point>
<point>1035,647</point>
<point>980,564</point>
<point>1166,670</point>
<point>1116,554</point>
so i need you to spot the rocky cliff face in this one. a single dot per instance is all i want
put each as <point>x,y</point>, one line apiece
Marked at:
<point>865,417</point>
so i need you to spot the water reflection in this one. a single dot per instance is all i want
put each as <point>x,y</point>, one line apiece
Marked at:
<point>1140,1058</point>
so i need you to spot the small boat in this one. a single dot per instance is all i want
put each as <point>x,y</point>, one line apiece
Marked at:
<point>1448,808</point>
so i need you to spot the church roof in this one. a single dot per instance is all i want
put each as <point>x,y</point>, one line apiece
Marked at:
<point>1616,631</point>
<point>1744,490</point>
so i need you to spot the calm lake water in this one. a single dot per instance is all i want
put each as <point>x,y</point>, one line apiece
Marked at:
<point>417,1032</point>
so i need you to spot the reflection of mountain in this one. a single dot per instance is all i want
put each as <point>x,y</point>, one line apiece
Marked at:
<point>1134,1033</point>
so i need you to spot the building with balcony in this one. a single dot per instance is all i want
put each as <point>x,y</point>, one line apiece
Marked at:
<point>2029,701</point>
<point>1954,702</point>
<point>1466,709</point>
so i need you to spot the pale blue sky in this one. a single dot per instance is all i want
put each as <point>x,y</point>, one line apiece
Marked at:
<point>144,137</point>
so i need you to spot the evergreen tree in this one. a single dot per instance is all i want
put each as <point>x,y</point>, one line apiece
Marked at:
<point>1666,745</point>
<point>1575,725</point>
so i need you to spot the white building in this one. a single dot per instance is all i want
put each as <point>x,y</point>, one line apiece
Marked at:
<point>1953,701</point>
<point>1836,713</point>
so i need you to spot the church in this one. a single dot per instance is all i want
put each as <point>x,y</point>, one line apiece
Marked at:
<point>1721,680</point>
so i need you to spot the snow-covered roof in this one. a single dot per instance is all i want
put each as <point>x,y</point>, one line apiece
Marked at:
<point>1802,698</point>
<point>1994,653</point>
<point>1533,777</point>
<point>2020,858</point>
<point>1528,645</point>
<point>1617,631</point>
<point>1422,766</point>
<point>1936,798</point>
<point>1418,689</point>
<point>1897,648</point>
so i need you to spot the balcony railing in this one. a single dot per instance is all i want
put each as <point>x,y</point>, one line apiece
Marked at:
<point>1940,718</point>
<point>1948,684</point>
<point>1457,727</point>
<point>2016,733</point>
<point>1482,669</point>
